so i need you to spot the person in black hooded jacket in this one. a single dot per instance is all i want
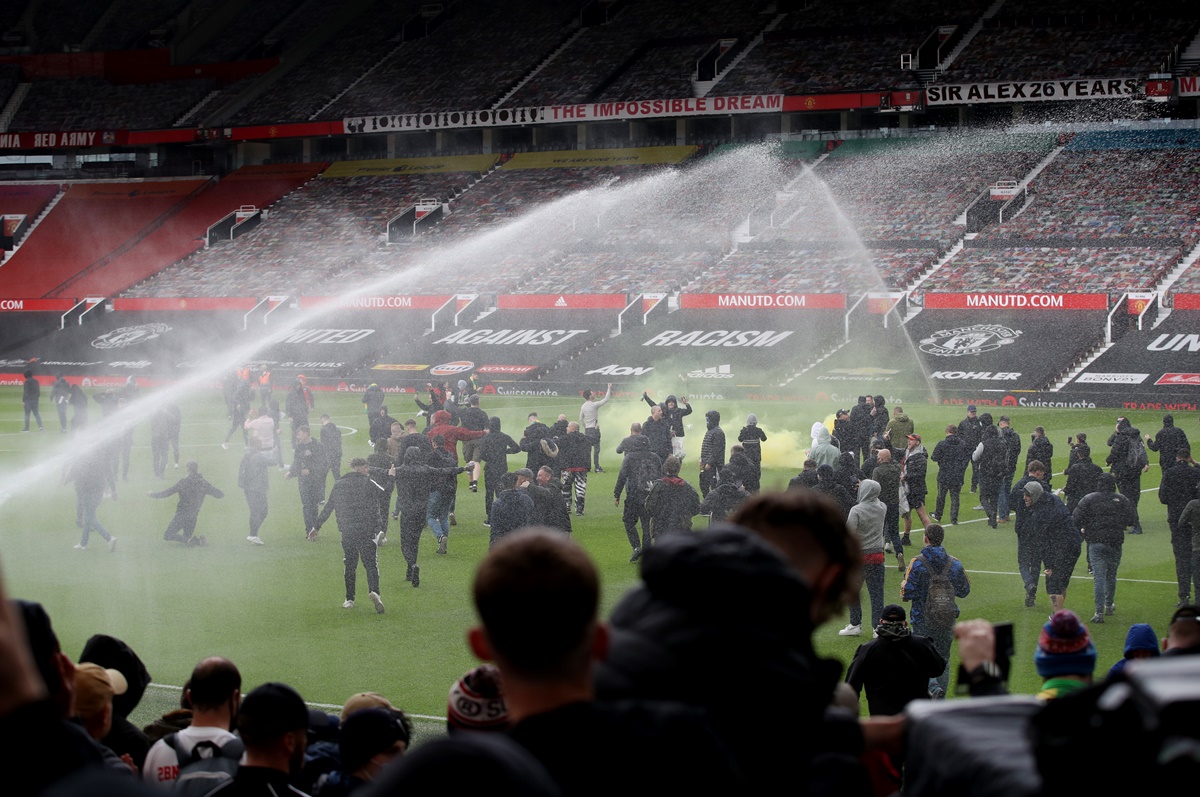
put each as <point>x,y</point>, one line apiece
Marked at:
<point>673,414</point>
<point>111,653</point>
<point>712,452</point>
<point>745,597</point>
<point>723,499</point>
<point>1168,440</point>
<point>1129,478</point>
<point>414,480</point>
<point>494,448</point>
<point>538,444</point>
<point>192,490</point>
<point>656,430</point>
<point>672,502</point>
<point>636,477</point>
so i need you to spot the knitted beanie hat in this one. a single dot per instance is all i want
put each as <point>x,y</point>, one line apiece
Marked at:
<point>477,702</point>
<point>1065,647</point>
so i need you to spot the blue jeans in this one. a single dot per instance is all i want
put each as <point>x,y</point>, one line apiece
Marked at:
<point>1002,501</point>
<point>941,637</point>
<point>1105,558</point>
<point>437,513</point>
<point>873,578</point>
<point>90,523</point>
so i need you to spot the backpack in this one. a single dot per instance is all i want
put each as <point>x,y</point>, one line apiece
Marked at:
<point>643,473</point>
<point>206,766</point>
<point>939,611</point>
<point>1136,457</point>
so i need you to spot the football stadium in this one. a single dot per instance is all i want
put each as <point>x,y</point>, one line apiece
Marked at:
<point>281,274</point>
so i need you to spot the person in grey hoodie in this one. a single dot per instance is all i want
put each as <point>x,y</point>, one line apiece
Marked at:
<point>866,522</point>
<point>823,451</point>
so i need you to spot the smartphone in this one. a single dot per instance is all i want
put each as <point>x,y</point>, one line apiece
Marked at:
<point>1004,647</point>
<point>1003,633</point>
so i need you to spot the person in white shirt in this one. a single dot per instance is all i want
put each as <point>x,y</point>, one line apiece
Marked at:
<point>589,419</point>
<point>215,692</point>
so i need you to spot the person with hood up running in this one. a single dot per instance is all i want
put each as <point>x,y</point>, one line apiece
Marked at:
<point>712,452</point>
<point>865,521</point>
<point>823,451</point>
<point>1125,465</point>
<point>672,502</point>
<point>494,448</point>
<point>673,413</point>
<point>1168,440</point>
<point>192,490</point>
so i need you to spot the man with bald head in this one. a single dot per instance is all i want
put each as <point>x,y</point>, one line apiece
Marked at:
<point>215,692</point>
<point>887,473</point>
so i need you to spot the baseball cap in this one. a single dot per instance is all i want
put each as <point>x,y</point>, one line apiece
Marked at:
<point>368,733</point>
<point>95,687</point>
<point>970,408</point>
<point>915,437</point>
<point>1034,490</point>
<point>893,613</point>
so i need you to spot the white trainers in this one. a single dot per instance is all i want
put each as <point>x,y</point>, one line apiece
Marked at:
<point>348,605</point>
<point>887,546</point>
<point>78,546</point>
<point>378,601</point>
<point>225,446</point>
<point>255,540</point>
<point>112,544</point>
<point>380,539</point>
<point>851,630</point>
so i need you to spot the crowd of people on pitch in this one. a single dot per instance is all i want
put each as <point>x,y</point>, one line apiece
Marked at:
<point>691,677</point>
<point>97,469</point>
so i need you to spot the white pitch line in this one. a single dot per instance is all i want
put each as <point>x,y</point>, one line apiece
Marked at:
<point>326,706</point>
<point>1079,578</point>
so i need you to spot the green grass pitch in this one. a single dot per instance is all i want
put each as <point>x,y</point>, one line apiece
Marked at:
<point>276,609</point>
